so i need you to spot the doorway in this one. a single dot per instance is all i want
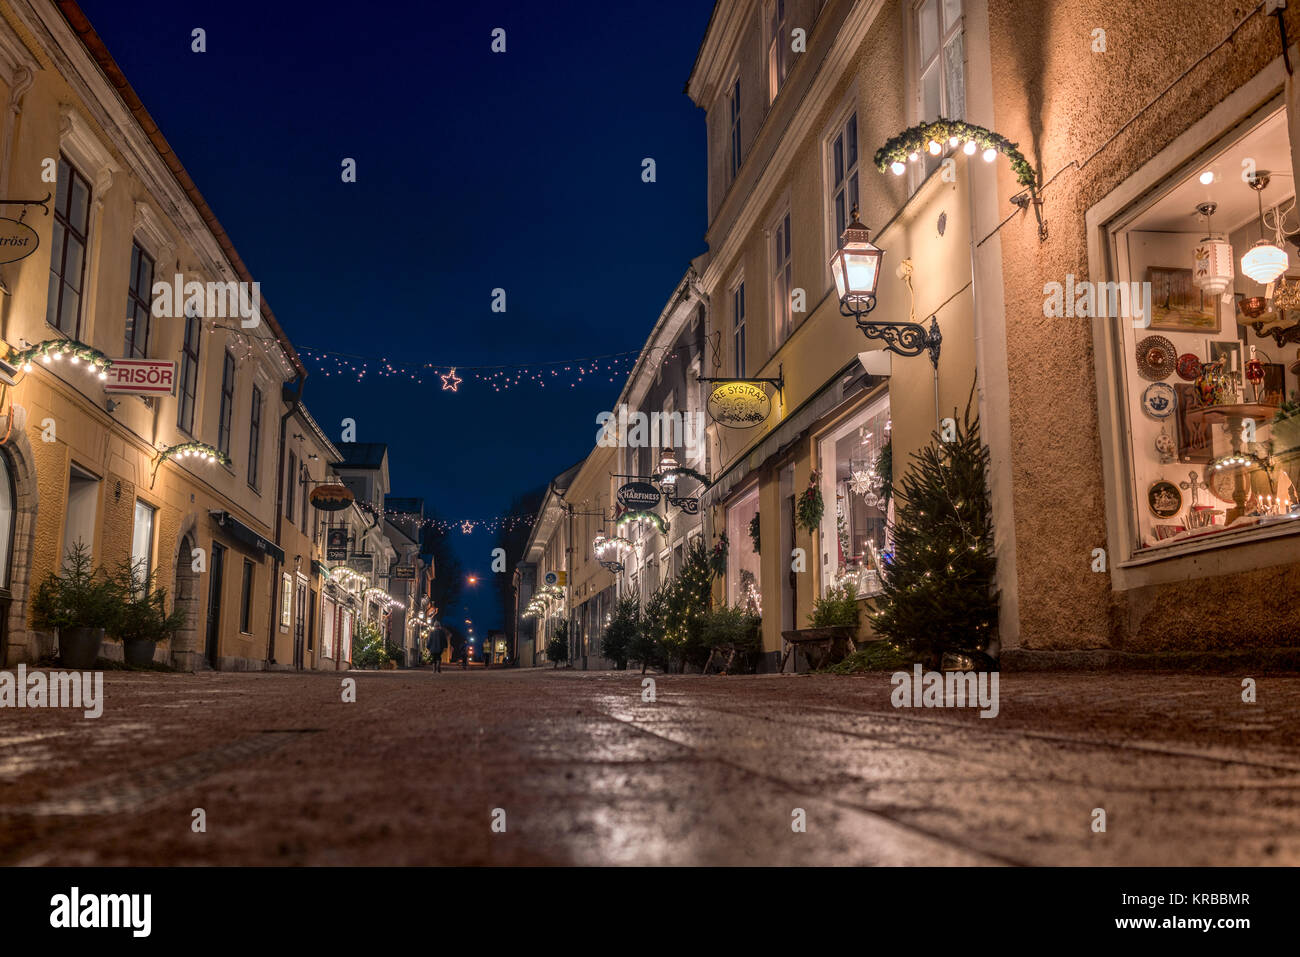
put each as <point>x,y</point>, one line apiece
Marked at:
<point>185,589</point>
<point>214,603</point>
<point>789,581</point>
<point>299,623</point>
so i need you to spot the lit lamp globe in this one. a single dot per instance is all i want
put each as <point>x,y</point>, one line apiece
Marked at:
<point>1264,262</point>
<point>668,462</point>
<point>856,267</point>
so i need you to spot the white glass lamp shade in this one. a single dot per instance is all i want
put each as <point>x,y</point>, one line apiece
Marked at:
<point>856,266</point>
<point>1265,262</point>
<point>1212,266</point>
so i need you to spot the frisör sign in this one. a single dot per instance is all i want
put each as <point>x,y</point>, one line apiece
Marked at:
<point>141,377</point>
<point>17,240</point>
<point>739,405</point>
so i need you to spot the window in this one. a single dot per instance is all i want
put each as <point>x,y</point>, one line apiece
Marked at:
<point>68,250</point>
<point>778,48</point>
<point>733,110</point>
<point>227,403</point>
<point>742,561</point>
<point>6,525</point>
<point>291,480</point>
<point>345,637</point>
<point>855,517</point>
<point>843,174</point>
<point>738,327</point>
<point>254,438</point>
<point>286,600</point>
<point>138,306</point>
<point>941,86</point>
<point>782,279</point>
<point>327,627</point>
<point>189,374</point>
<point>83,507</point>
<point>246,600</point>
<point>142,540</point>
<point>1190,482</point>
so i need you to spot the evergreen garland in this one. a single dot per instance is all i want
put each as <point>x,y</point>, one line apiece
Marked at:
<point>755,530</point>
<point>884,469</point>
<point>810,507</point>
<point>916,140</point>
<point>938,587</point>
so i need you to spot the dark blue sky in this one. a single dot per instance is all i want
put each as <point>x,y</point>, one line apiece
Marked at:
<point>475,171</point>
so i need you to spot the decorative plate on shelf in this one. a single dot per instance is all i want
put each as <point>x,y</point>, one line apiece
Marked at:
<point>1158,400</point>
<point>1164,499</point>
<point>1189,366</point>
<point>1156,358</point>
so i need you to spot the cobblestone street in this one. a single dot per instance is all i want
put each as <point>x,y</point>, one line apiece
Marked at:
<point>709,773</point>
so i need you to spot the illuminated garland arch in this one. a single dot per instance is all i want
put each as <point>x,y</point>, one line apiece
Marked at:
<point>54,349</point>
<point>654,518</point>
<point>914,142</point>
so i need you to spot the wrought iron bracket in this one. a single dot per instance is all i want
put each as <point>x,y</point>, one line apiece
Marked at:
<point>778,382</point>
<point>902,338</point>
<point>1029,197</point>
<point>42,203</point>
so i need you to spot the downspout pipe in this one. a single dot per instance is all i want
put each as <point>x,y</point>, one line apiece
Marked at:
<point>291,393</point>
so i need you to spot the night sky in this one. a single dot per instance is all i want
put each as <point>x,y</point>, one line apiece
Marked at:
<point>475,171</point>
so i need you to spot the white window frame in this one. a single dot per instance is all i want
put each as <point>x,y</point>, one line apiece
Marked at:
<point>286,600</point>
<point>840,119</point>
<point>739,309</point>
<point>735,148</point>
<point>917,70</point>
<point>781,261</point>
<point>135,533</point>
<point>776,34</point>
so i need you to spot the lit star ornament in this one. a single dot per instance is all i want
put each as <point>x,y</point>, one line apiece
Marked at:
<point>450,381</point>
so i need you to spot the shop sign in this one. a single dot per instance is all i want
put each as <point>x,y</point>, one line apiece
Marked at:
<point>364,564</point>
<point>402,573</point>
<point>739,404</point>
<point>330,498</point>
<point>336,544</point>
<point>556,578</point>
<point>17,240</point>
<point>141,377</point>
<point>638,496</point>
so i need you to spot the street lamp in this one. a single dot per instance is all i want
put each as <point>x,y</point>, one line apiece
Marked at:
<point>856,268</point>
<point>667,466</point>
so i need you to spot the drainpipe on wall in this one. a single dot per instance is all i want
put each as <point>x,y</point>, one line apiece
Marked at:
<point>295,400</point>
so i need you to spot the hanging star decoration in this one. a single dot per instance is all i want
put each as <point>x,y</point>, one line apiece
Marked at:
<point>467,528</point>
<point>450,380</point>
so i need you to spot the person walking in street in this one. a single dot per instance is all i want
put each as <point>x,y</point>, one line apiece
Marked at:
<point>437,642</point>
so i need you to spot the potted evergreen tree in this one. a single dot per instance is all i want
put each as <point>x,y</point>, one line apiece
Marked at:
<point>557,649</point>
<point>144,620</point>
<point>80,604</point>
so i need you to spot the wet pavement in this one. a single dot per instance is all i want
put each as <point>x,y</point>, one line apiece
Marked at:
<point>578,768</point>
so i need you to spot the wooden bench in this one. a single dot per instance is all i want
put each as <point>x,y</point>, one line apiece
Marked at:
<point>820,646</point>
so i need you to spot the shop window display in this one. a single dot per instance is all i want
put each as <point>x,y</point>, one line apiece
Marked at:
<point>743,574</point>
<point>855,520</point>
<point>1211,367</point>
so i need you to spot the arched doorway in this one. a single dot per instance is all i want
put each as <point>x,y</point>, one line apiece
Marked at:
<point>185,644</point>
<point>8,509</point>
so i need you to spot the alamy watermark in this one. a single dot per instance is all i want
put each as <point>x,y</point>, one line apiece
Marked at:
<point>634,430</point>
<point>952,689</point>
<point>55,689</point>
<point>212,300</point>
<point>1098,300</point>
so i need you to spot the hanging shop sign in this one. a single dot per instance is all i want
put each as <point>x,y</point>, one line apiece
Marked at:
<point>739,404</point>
<point>141,377</point>
<point>336,544</point>
<point>556,578</point>
<point>331,498</point>
<point>688,504</point>
<point>364,564</point>
<point>402,573</point>
<point>636,496</point>
<point>17,240</point>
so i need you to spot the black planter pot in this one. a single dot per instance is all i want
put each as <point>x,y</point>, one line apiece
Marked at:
<point>79,647</point>
<point>138,652</point>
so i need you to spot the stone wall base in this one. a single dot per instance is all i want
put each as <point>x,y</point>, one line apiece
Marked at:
<point>1104,659</point>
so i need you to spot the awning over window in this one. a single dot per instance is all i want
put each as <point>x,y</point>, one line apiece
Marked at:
<point>245,535</point>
